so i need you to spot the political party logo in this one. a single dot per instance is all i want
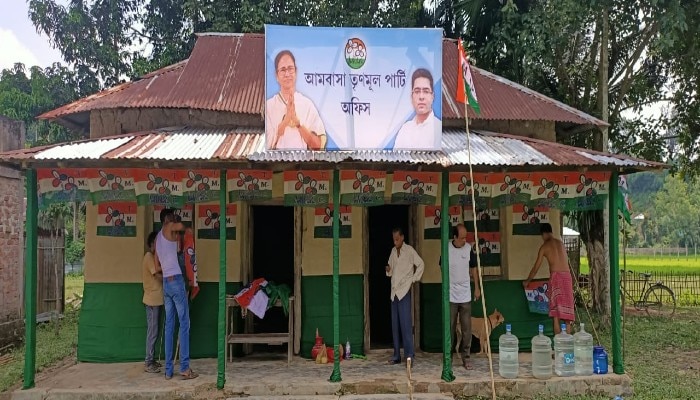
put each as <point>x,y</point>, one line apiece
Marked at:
<point>362,187</point>
<point>433,217</point>
<point>355,53</point>
<point>306,188</point>
<point>527,219</point>
<point>323,222</point>
<point>116,219</point>
<point>58,185</point>
<point>487,219</point>
<point>415,187</point>
<point>249,185</point>
<point>210,218</point>
<point>111,185</point>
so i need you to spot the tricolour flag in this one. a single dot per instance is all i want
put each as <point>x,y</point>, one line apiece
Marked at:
<point>247,185</point>
<point>306,188</point>
<point>61,185</point>
<point>111,184</point>
<point>185,214</point>
<point>200,185</point>
<point>362,187</point>
<point>489,248</point>
<point>528,219</point>
<point>624,203</point>
<point>461,189</point>
<point>433,217</point>
<point>570,190</point>
<point>209,219</point>
<point>487,220</point>
<point>466,92</point>
<point>116,219</point>
<point>415,187</point>
<point>323,222</point>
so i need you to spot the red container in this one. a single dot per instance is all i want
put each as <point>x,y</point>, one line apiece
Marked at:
<point>317,347</point>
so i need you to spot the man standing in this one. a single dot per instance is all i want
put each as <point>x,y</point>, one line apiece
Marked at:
<point>560,290</point>
<point>423,131</point>
<point>402,261</point>
<point>175,297</point>
<point>153,300</point>
<point>462,264</point>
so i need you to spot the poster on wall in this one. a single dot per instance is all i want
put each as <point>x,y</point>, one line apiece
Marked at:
<point>306,188</point>
<point>209,219</point>
<point>432,220</point>
<point>117,219</point>
<point>415,187</point>
<point>186,213</point>
<point>248,185</point>
<point>111,184</point>
<point>158,186</point>
<point>200,185</point>
<point>537,297</point>
<point>570,190</point>
<point>510,188</point>
<point>461,189</point>
<point>362,187</point>
<point>353,88</point>
<point>61,185</point>
<point>487,219</point>
<point>323,222</point>
<point>489,248</point>
<point>527,219</point>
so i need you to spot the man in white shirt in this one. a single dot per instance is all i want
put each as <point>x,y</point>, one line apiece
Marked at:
<point>402,261</point>
<point>421,132</point>
<point>462,261</point>
<point>292,121</point>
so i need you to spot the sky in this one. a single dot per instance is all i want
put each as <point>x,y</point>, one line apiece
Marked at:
<point>19,41</point>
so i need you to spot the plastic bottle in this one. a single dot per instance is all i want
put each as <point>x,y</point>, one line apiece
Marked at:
<point>600,360</point>
<point>347,349</point>
<point>564,353</point>
<point>508,364</point>
<point>583,352</point>
<point>541,355</point>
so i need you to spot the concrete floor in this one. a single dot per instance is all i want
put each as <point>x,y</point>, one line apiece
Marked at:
<point>267,375</point>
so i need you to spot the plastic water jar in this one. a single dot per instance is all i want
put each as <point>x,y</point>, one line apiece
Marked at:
<point>583,352</point>
<point>600,360</point>
<point>508,364</point>
<point>564,353</point>
<point>541,355</point>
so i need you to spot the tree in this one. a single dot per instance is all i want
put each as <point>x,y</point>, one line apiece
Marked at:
<point>677,213</point>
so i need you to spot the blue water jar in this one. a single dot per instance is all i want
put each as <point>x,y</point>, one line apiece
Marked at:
<point>600,360</point>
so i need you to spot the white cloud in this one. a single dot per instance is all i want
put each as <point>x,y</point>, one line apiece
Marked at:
<point>13,51</point>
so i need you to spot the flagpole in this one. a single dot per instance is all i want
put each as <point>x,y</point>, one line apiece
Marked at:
<point>476,233</point>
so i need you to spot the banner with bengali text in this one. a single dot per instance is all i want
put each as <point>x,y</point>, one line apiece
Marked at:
<point>461,188</point>
<point>362,187</point>
<point>200,185</point>
<point>415,187</point>
<point>111,184</point>
<point>248,185</point>
<point>116,219</point>
<point>209,219</point>
<point>62,185</point>
<point>306,188</point>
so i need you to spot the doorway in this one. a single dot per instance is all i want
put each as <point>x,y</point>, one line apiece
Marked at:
<point>382,220</point>
<point>273,259</point>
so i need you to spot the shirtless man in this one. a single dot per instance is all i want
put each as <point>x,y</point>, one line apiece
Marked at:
<point>560,290</point>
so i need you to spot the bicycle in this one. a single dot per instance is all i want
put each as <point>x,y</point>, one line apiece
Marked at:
<point>655,298</point>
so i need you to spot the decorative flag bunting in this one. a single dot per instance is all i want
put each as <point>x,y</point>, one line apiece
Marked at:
<point>116,219</point>
<point>62,185</point>
<point>433,215</point>
<point>509,188</point>
<point>415,187</point>
<point>487,220</point>
<point>461,189</point>
<point>185,213</point>
<point>490,251</point>
<point>209,218</point>
<point>161,186</point>
<point>527,219</point>
<point>306,188</point>
<point>115,184</point>
<point>362,187</point>
<point>249,185</point>
<point>323,222</point>
<point>200,186</point>
<point>466,91</point>
<point>624,203</point>
<point>570,190</point>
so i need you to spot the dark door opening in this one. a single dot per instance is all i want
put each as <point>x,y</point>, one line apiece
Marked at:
<point>382,220</point>
<point>273,259</point>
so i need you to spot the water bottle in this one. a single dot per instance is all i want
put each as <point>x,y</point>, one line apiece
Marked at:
<point>564,353</point>
<point>347,349</point>
<point>508,364</point>
<point>583,352</point>
<point>600,360</point>
<point>541,355</point>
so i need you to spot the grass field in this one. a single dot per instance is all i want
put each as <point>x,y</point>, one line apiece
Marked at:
<point>663,264</point>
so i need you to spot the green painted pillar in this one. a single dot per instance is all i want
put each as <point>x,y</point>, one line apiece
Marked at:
<point>335,376</point>
<point>447,374</point>
<point>614,248</point>
<point>222,339</point>
<point>30,265</point>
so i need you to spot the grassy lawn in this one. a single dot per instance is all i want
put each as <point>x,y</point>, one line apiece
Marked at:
<point>663,264</point>
<point>74,285</point>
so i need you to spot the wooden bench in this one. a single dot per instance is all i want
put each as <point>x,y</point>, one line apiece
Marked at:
<point>257,338</point>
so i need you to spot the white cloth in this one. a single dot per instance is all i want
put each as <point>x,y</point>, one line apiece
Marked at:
<point>275,110</point>
<point>460,287</point>
<point>258,305</point>
<point>401,270</point>
<point>419,136</point>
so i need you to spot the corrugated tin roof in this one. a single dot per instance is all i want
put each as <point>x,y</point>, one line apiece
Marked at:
<point>225,72</point>
<point>246,144</point>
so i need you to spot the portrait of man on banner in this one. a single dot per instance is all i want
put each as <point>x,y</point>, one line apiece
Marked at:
<point>292,121</point>
<point>422,131</point>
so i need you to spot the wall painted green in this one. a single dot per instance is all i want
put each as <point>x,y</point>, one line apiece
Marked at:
<point>506,296</point>
<point>317,311</point>
<point>112,325</point>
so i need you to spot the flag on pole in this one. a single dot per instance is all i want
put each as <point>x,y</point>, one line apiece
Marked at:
<point>624,204</point>
<point>466,92</point>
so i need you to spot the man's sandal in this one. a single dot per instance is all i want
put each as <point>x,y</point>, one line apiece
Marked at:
<point>188,375</point>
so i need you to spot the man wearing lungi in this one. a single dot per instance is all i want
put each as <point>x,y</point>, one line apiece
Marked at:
<point>560,290</point>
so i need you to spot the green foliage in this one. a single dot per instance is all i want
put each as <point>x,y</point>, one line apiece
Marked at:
<point>75,251</point>
<point>676,213</point>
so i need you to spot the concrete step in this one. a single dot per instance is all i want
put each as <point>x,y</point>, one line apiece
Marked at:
<point>417,396</point>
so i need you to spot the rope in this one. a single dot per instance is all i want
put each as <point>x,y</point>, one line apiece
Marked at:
<point>478,252</point>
